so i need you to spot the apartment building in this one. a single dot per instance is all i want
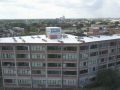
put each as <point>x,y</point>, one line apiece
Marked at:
<point>97,30</point>
<point>56,60</point>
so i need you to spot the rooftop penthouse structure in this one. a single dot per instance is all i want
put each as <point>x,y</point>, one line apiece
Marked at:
<point>56,60</point>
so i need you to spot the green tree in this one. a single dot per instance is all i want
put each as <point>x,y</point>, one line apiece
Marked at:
<point>108,78</point>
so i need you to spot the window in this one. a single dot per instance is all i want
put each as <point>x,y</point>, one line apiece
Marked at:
<point>69,65</point>
<point>118,63</point>
<point>21,47</point>
<point>54,64</point>
<point>112,50</point>
<point>93,54</point>
<point>38,56</point>
<point>54,82</point>
<point>22,55</point>
<point>94,46</point>
<point>37,64</point>
<point>70,56</point>
<point>84,47</point>
<point>113,43</point>
<point>70,48</point>
<point>38,48</point>
<point>83,64</point>
<point>69,82</point>
<point>84,71</point>
<point>7,47</point>
<point>102,60</point>
<point>23,72</point>
<point>111,64</point>
<point>39,81</point>
<point>7,55</point>
<point>103,45</point>
<point>8,64</point>
<point>54,56</point>
<point>38,71</point>
<point>53,47</point>
<point>70,73</point>
<point>24,81</point>
<point>118,50</point>
<point>9,81</point>
<point>94,69</point>
<point>118,57</point>
<point>53,72</point>
<point>83,55</point>
<point>102,67</point>
<point>103,52</point>
<point>22,63</point>
<point>93,61</point>
<point>111,58</point>
<point>8,71</point>
<point>92,79</point>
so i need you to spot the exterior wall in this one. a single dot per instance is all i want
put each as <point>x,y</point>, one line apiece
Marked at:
<point>56,65</point>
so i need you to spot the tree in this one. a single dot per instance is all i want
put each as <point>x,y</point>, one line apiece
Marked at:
<point>108,78</point>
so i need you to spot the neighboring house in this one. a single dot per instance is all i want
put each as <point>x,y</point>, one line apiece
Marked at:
<point>97,30</point>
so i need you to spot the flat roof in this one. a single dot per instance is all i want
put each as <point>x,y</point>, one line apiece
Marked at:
<point>66,38</point>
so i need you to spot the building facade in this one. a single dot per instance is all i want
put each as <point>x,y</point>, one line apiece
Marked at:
<point>40,62</point>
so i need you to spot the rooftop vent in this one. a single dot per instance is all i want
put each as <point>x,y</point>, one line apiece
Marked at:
<point>23,40</point>
<point>14,39</point>
<point>89,36</point>
<point>20,37</point>
<point>38,37</point>
<point>118,34</point>
<point>32,37</point>
<point>81,41</point>
<point>80,38</point>
<point>76,37</point>
<point>44,40</point>
<point>65,36</point>
<point>98,36</point>
<point>60,41</point>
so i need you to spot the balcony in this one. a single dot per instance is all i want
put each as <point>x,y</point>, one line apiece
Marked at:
<point>38,75</point>
<point>54,59</point>
<point>7,60</point>
<point>24,85</point>
<point>10,85</point>
<point>54,75</point>
<point>9,75</point>
<point>7,51</point>
<point>54,51</point>
<point>69,52</point>
<point>22,51</point>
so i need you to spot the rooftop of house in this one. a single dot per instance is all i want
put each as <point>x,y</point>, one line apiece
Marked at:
<point>66,38</point>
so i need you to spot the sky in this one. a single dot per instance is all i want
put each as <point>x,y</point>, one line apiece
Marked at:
<point>39,9</point>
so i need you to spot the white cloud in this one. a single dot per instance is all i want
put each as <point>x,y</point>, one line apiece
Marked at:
<point>56,8</point>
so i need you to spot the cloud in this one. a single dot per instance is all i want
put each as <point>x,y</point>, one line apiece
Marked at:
<point>56,8</point>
